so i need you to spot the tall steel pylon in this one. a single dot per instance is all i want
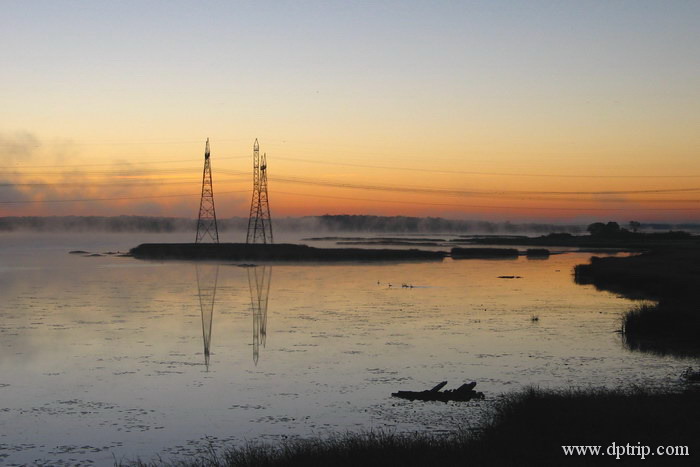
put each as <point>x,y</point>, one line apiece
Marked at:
<point>206,223</point>
<point>259,221</point>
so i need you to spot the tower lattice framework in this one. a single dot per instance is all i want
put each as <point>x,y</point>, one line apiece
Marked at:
<point>259,221</point>
<point>206,223</point>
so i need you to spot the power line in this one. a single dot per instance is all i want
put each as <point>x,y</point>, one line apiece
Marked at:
<point>191,182</point>
<point>107,164</point>
<point>463,172</point>
<point>519,195</point>
<point>80,200</point>
<point>469,206</point>
<point>124,142</point>
<point>372,166</point>
<point>403,189</point>
<point>142,183</point>
<point>472,206</point>
<point>119,173</point>
<point>330,183</point>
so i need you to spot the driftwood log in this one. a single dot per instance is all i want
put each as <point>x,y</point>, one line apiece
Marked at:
<point>463,393</point>
<point>691,375</point>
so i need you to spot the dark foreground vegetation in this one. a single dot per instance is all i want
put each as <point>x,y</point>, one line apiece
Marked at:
<point>276,252</point>
<point>527,428</point>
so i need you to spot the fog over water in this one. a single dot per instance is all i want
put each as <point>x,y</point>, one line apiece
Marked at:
<point>296,225</point>
<point>108,356</point>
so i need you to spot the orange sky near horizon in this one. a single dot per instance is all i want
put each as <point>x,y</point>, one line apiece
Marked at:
<point>568,113</point>
<point>305,183</point>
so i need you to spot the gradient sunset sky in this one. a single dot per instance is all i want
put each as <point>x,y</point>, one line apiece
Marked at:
<point>500,110</point>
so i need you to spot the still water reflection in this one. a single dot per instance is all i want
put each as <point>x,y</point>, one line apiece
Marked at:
<point>259,284</point>
<point>104,357</point>
<point>207,276</point>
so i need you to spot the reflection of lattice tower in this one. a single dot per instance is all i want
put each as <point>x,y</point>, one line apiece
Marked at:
<point>206,223</point>
<point>207,276</point>
<point>259,283</point>
<point>259,221</point>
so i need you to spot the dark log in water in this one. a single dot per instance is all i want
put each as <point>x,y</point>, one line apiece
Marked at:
<point>463,393</point>
<point>277,252</point>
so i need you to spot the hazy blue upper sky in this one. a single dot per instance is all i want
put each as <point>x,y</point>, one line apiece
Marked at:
<point>593,87</point>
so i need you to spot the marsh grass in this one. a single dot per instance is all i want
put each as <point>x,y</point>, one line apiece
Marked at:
<point>669,276</point>
<point>669,327</point>
<point>526,428</point>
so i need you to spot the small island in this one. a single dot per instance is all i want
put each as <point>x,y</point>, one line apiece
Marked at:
<point>275,252</point>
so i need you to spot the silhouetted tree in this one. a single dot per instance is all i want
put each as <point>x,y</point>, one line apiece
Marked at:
<point>598,229</point>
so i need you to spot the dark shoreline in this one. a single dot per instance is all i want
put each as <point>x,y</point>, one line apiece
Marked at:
<point>622,240</point>
<point>668,276</point>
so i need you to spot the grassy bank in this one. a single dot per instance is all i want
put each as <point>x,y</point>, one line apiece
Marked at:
<point>664,328</point>
<point>670,276</point>
<point>527,428</point>
<point>665,273</point>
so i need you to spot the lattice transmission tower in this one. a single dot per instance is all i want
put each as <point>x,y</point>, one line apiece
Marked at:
<point>259,221</point>
<point>206,223</point>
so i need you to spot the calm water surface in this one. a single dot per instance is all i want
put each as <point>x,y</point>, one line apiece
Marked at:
<point>105,357</point>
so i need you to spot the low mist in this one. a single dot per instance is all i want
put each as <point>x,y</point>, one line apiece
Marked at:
<point>316,224</point>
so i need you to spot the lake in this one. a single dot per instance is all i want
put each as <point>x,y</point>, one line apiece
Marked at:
<point>108,357</point>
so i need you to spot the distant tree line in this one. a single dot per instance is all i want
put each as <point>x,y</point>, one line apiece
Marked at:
<point>613,230</point>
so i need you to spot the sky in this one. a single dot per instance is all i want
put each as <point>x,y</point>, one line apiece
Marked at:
<point>498,110</point>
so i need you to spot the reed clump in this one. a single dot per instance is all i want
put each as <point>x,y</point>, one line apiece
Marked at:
<point>668,327</point>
